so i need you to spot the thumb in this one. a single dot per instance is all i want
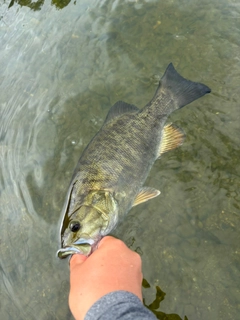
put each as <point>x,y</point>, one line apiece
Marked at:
<point>77,259</point>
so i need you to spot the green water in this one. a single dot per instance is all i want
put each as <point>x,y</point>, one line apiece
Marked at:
<point>62,65</point>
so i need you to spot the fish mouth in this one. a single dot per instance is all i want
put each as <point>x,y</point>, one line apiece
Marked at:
<point>81,246</point>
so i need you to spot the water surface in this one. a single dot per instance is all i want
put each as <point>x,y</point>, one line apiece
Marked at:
<point>62,65</point>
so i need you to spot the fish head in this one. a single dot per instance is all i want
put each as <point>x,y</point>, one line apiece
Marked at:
<point>82,231</point>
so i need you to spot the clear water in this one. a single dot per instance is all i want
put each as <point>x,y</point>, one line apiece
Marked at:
<point>62,65</point>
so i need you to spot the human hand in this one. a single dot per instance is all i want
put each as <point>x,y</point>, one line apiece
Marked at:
<point>113,266</point>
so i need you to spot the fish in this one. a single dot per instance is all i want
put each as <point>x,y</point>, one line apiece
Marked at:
<point>109,177</point>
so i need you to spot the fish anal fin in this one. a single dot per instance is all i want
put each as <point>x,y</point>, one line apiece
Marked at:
<point>172,138</point>
<point>145,194</point>
<point>119,108</point>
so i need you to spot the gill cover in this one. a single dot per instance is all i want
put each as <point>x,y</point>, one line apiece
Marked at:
<point>90,221</point>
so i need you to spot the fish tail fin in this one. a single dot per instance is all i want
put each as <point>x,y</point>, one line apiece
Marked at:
<point>174,91</point>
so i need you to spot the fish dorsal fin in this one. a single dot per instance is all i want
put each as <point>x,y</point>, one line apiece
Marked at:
<point>172,138</point>
<point>120,108</point>
<point>145,194</point>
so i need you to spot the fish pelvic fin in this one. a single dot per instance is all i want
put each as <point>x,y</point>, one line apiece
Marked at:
<point>174,92</point>
<point>172,138</point>
<point>145,194</point>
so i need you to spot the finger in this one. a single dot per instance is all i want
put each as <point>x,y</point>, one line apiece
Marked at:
<point>77,259</point>
<point>105,240</point>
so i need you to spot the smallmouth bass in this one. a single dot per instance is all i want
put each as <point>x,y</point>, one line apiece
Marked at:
<point>109,177</point>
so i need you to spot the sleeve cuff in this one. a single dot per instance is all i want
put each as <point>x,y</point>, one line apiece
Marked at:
<point>119,305</point>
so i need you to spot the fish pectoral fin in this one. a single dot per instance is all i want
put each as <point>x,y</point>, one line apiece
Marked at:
<point>120,108</point>
<point>145,194</point>
<point>172,138</point>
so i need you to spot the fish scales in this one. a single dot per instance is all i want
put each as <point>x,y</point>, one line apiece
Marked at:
<point>114,161</point>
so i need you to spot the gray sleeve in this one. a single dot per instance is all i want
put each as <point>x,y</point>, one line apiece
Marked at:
<point>119,305</point>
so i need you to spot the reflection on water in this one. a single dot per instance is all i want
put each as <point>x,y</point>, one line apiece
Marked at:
<point>61,70</point>
<point>37,5</point>
<point>155,305</point>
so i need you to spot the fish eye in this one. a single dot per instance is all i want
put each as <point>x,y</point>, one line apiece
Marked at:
<point>74,226</point>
